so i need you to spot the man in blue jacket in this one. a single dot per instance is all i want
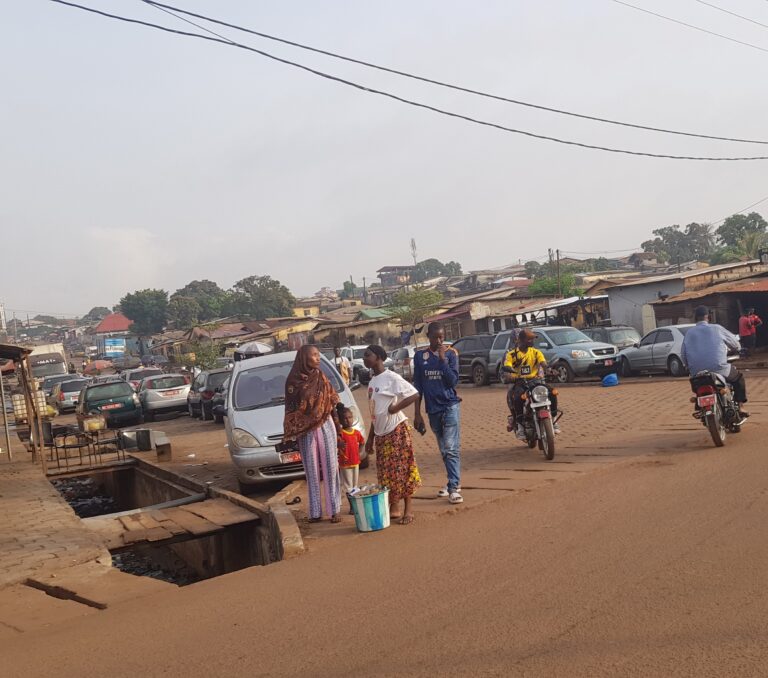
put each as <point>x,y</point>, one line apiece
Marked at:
<point>435,375</point>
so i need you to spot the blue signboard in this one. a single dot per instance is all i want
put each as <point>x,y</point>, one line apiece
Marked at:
<point>114,346</point>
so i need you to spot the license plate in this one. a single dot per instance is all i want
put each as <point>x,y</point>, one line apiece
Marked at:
<point>171,393</point>
<point>112,406</point>
<point>290,457</point>
<point>707,401</point>
<point>609,362</point>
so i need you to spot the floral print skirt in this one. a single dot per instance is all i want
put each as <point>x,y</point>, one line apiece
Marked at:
<point>395,465</point>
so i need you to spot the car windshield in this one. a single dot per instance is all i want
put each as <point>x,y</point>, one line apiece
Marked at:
<point>216,379</point>
<point>683,330</point>
<point>358,353</point>
<point>565,337</point>
<point>107,391</point>
<point>47,369</point>
<point>624,336</point>
<point>73,385</point>
<point>265,386</point>
<point>501,340</point>
<point>138,375</point>
<point>165,382</point>
<point>50,382</point>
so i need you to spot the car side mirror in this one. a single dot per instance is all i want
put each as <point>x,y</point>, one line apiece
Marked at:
<point>636,345</point>
<point>219,410</point>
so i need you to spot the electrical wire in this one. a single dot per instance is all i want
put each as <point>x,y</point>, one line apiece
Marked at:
<point>687,25</point>
<point>410,102</point>
<point>727,11</point>
<point>170,9</point>
<point>741,211</point>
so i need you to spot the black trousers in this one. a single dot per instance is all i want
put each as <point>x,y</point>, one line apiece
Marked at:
<point>515,401</point>
<point>739,385</point>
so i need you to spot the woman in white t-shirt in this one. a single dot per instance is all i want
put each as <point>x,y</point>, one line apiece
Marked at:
<point>388,395</point>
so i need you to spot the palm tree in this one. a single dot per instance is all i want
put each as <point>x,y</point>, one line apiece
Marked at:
<point>751,244</point>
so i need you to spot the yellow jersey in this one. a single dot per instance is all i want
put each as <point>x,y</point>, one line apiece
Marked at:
<point>524,364</point>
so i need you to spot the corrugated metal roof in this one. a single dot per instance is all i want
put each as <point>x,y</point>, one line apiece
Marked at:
<point>686,274</point>
<point>114,322</point>
<point>736,287</point>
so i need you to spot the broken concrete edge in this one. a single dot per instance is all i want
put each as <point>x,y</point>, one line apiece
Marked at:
<point>288,492</point>
<point>272,514</point>
<point>278,517</point>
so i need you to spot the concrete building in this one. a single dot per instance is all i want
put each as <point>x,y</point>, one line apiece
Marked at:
<point>630,303</point>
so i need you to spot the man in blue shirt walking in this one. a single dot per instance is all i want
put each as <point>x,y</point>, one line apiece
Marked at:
<point>435,375</point>
<point>705,347</point>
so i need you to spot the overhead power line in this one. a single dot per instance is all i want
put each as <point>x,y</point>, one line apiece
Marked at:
<point>741,211</point>
<point>170,9</point>
<point>727,11</point>
<point>394,97</point>
<point>687,25</point>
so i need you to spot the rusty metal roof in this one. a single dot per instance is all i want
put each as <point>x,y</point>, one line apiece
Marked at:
<point>744,286</point>
<point>13,352</point>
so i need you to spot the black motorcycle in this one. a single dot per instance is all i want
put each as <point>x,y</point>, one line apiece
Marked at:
<point>537,416</point>
<point>715,406</point>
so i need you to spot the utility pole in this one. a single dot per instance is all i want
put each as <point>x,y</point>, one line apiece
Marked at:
<point>559,283</point>
<point>365,292</point>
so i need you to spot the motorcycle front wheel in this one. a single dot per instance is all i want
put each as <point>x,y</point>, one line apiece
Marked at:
<point>547,441</point>
<point>716,426</point>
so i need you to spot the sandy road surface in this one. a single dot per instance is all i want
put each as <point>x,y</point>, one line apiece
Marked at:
<point>654,566</point>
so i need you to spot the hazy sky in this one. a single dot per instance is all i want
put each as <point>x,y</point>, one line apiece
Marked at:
<point>133,158</point>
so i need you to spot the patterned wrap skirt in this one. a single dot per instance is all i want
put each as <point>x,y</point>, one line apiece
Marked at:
<point>320,458</point>
<point>395,465</point>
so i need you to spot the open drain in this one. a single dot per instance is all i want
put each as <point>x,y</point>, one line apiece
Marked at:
<point>157,528</point>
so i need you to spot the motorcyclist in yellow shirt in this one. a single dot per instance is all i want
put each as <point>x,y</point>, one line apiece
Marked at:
<point>521,364</point>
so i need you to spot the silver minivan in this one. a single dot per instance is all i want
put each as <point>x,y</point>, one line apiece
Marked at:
<point>254,412</point>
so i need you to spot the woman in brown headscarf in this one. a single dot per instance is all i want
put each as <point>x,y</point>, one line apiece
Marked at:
<point>311,420</point>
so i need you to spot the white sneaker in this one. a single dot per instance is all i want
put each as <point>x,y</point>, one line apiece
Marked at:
<point>443,491</point>
<point>520,433</point>
<point>455,498</point>
<point>556,428</point>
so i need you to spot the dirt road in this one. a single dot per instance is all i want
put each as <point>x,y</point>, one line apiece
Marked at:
<point>650,567</point>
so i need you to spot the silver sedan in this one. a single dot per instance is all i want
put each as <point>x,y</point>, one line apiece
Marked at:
<point>162,393</point>
<point>657,351</point>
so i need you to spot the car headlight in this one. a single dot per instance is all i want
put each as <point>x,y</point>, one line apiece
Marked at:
<point>244,439</point>
<point>539,394</point>
<point>579,354</point>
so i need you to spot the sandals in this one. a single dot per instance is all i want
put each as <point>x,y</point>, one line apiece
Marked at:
<point>406,520</point>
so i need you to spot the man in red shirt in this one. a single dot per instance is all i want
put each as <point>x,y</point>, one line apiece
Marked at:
<point>748,324</point>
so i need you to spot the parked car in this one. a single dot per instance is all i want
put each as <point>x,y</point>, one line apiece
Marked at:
<point>621,336</point>
<point>355,356</point>
<point>65,394</point>
<point>571,353</point>
<point>134,376</point>
<point>474,357</point>
<point>219,399</point>
<point>115,400</point>
<point>50,382</point>
<point>657,351</point>
<point>254,418</point>
<point>502,342</point>
<point>125,362</point>
<point>203,389</point>
<point>402,361</point>
<point>162,394</point>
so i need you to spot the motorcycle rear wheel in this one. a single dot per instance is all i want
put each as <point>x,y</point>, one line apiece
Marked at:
<point>547,442</point>
<point>716,427</point>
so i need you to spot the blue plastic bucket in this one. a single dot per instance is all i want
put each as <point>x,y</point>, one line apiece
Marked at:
<point>371,511</point>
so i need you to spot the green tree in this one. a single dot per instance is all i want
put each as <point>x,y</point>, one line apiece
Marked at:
<point>737,226</point>
<point>205,355</point>
<point>532,269</point>
<point>147,308</point>
<point>183,312</point>
<point>549,286</point>
<point>748,247</point>
<point>210,298</point>
<point>412,307</point>
<point>97,313</point>
<point>260,296</point>
<point>433,268</point>
<point>349,289</point>
<point>675,244</point>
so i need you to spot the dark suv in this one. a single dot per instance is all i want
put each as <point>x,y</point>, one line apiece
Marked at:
<point>204,387</point>
<point>474,357</point>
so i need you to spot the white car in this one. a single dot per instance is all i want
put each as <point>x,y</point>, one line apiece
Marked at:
<point>253,418</point>
<point>163,393</point>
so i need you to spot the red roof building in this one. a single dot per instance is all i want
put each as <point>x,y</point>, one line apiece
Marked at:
<point>114,322</point>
